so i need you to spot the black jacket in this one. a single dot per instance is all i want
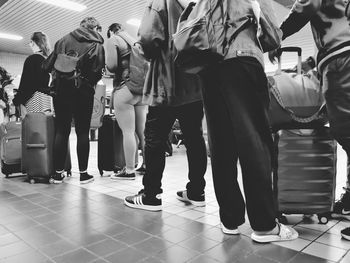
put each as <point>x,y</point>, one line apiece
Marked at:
<point>33,79</point>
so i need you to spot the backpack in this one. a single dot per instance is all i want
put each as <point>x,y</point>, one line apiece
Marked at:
<point>205,32</point>
<point>68,65</point>
<point>138,68</point>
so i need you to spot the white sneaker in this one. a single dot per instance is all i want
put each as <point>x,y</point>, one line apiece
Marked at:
<point>225,230</point>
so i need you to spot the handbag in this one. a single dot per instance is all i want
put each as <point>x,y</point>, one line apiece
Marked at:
<point>296,98</point>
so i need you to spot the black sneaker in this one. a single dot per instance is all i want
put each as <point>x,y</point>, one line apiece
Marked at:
<point>345,233</point>
<point>194,200</point>
<point>58,178</point>
<point>342,206</point>
<point>141,201</point>
<point>123,175</point>
<point>86,178</point>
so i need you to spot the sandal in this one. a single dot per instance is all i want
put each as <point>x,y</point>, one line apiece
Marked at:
<point>286,233</point>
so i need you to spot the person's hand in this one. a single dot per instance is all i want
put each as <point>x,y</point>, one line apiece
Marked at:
<point>273,55</point>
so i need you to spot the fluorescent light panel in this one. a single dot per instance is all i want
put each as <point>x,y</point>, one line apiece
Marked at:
<point>134,22</point>
<point>10,36</point>
<point>65,4</point>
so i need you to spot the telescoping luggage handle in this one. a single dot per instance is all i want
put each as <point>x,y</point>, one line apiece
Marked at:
<point>289,49</point>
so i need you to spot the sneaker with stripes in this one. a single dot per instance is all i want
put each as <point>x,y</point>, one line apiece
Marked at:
<point>141,201</point>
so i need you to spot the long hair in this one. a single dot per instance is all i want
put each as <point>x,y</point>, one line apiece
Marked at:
<point>5,77</point>
<point>115,27</point>
<point>42,41</point>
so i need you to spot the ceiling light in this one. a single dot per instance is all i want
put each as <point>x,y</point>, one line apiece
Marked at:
<point>10,36</point>
<point>134,22</point>
<point>65,4</point>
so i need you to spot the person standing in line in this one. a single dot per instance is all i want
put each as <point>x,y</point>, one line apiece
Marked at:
<point>75,92</point>
<point>129,109</point>
<point>236,103</point>
<point>171,95</point>
<point>331,31</point>
<point>34,80</point>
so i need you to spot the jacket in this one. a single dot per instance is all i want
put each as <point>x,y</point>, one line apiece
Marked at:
<point>33,79</point>
<point>79,41</point>
<point>246,44</point>
<point>329,26</point>
<point>165,84</point>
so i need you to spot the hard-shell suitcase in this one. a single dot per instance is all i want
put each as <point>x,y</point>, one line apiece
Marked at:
<point>304,179</point>
<point>110,150</point>
<point>10,134</point>
<point>38,134</point>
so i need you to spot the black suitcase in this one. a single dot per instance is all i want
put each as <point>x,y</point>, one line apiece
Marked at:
<point>110,150</point>
<point>305,173</point>
<point>38,135</point>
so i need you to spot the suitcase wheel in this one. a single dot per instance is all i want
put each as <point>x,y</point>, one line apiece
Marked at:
<point>31,180</point>
<point>322,218</point>
<point>69,173</point>
<point>51,180</point>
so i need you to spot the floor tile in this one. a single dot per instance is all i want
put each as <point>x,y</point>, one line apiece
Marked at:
<point>175,235</point>
<point>200,244</point>
<point>324,251</point>
<point>177,254</point>
<point>58,248</point>
<point>76,256</point>
<point>7,239</point>
<point>132,237</point>
<point>14,249</point>
<point>334,241</point>
<point>305,258</point>
<point>276,253</point>
<point>28,257</point>
<point>106,247</point>
<point>128,255</point>
<point>346,258</point>
<point>153,245</point>
<point>297,244</point>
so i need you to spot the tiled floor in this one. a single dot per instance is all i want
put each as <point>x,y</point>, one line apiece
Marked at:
<point>73,223</point>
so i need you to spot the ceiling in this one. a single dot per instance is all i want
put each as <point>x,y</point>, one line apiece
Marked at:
<point>23,17</point>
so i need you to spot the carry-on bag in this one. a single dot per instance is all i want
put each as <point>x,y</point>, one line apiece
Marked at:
<point>110,150</point>
<point>10,134</point>
<point>296,98</point>
<point>38,135</point>
<point>305,172</point>
<point>99,106</point>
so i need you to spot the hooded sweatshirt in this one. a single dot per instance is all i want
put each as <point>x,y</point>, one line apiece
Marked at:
<point>329,26</point>
<point>79,42</point>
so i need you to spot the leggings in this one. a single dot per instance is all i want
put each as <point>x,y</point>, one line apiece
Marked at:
<point>74,104</point>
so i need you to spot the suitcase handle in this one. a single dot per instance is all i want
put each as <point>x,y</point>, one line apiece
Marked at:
<point>289,49</point>
<point>36,145</point>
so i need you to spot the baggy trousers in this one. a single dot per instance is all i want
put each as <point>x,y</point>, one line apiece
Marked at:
<point>236,101</point>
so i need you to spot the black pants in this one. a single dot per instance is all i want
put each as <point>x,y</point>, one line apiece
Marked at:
<point>236,101</point>
<point>72,103</point>
<point>158,125</point>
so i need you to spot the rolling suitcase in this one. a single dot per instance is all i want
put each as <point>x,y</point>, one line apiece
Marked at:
<point>38,134</point>
<point>110,150</point>
<point>304,177</point>
<point>10,134</point>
